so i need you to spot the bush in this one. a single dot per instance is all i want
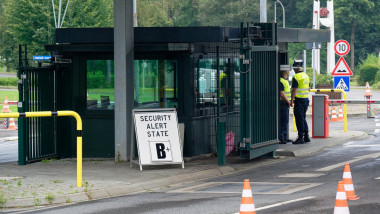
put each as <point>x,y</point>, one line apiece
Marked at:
<point>368,70</point>
<point>320,78</point>
<point>98,79</point>
<point>8,81</point>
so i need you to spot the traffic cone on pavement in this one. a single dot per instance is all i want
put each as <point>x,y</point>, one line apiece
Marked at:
<point>340,115</point>
<point>348,184</point>
<point>6,106</point>
<point>334,118</point>
<point>341,205</point>
<point>367,91</point>
<point>12,125</point>
<point>247,206</point>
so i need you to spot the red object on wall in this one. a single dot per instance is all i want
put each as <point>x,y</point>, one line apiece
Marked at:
<point>324,12</point>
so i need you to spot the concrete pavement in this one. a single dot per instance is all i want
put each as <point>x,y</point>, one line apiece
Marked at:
<point>54,181</point>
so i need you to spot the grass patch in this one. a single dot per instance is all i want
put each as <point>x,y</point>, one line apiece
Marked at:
<point>50,197</point>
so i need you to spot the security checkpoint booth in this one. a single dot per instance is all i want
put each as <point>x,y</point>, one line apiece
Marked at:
<point>223,82</point>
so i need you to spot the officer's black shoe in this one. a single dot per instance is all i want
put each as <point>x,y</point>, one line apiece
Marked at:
<point>289,141</point>
<point>282,141</point>
<point>306,138</point>
<point>299,140</point>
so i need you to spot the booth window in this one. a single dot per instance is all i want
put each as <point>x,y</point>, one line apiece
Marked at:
<point>100,85</point>
<point>215,87</point>
<point>155,84</point>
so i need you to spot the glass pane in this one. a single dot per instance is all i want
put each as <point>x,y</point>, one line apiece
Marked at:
<point>156,84</point>
<point>100,85</point>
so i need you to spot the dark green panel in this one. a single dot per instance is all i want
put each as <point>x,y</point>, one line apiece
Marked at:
<point>98,138</point>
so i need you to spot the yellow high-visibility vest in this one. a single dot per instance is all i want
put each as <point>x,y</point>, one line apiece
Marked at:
<point>303,85</point>
<point>286,88</point>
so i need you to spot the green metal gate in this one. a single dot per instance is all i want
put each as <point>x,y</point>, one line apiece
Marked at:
<point>37,92</point>
<point>259,86</point>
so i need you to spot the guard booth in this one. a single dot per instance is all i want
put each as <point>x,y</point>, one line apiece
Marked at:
<point>211,75</point>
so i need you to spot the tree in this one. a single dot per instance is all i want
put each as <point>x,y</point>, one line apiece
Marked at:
<point>351,16</point>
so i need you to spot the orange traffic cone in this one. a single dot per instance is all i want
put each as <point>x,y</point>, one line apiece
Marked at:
<point>334,118</point>
<point>340,116</point>
<point>247,206</point>
<point>341,205</point>
<point>348,184</point>
<point>12,125</point>
<point>367,90</point>
<point>6,106</point>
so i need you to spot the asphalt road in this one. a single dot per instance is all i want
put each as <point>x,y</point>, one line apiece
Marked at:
<point>296,185</point>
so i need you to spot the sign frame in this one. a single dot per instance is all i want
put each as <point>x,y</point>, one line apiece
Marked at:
<point>341,60</point>
<point>346,80</point>
<point>135,140</point>
<point>344,42</point>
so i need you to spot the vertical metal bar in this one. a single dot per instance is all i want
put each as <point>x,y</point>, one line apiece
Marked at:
<point>21,121</point>
<point>221,143</point>
<point>242,85</point>
<point>217,82</point>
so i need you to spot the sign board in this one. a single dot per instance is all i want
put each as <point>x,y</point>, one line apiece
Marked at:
<point>341,68</point>
<point>157,137</point>
<point>342,82</point>
<point>342,47</point>
<point>40,58</point>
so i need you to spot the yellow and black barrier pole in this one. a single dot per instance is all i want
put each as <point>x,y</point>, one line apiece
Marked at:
<point>58,114</point>
<point>344,105</point>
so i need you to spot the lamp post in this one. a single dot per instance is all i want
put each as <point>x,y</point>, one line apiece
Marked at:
<point>283,12</point>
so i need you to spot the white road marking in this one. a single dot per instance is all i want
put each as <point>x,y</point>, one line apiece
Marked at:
<point>377,124</point>
<point>359,158</point>
<point>284,203</point>
<point>362,146</point>
<point>377,178</point>
<point>377,120</point>
<point>377,130</point>
<point>301,175</point>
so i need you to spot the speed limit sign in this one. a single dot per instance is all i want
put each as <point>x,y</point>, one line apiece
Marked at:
<point>342,47</point>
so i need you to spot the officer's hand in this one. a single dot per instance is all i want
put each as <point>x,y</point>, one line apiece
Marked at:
<point>291,103</point>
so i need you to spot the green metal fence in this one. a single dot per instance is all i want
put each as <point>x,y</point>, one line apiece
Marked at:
<point>36,93</point>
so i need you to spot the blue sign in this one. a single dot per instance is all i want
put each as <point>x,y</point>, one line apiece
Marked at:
<point>40,58</point>
<point>342,82</point>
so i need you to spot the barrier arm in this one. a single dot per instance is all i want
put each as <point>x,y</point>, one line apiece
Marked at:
<point>59,114</point>
<point>344,105</point>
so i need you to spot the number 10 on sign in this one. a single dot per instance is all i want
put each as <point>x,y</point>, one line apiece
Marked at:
<point>342,47</point>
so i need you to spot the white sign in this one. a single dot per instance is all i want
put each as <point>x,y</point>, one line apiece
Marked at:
<point>157,137</point>
<point>342,47</point>
<point>341,68</point>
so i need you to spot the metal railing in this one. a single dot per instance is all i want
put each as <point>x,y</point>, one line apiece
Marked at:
<point>59,114</point>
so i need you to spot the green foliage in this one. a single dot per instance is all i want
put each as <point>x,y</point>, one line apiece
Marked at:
<point>50,197</point>
<point>8,81</point>
<point>3,200</point>
<point>320,78</point>
<point>369,70</point>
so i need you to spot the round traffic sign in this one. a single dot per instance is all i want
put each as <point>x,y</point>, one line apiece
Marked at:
<point>342,47</point>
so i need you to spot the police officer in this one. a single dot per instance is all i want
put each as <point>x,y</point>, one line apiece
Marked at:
<point>300,98</point>
<point>284,106</point>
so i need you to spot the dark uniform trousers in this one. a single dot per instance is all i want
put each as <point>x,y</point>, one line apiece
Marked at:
<point>300,108</point>
<point>284,108</point>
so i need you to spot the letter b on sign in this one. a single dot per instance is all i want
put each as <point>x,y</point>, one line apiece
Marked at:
<point>161,151</point>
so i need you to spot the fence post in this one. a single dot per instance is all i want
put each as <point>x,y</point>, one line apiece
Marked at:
<point>221,143</point>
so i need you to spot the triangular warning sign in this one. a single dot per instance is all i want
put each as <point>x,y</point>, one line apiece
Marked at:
<point>341,85</point>
<point>342,69</point>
